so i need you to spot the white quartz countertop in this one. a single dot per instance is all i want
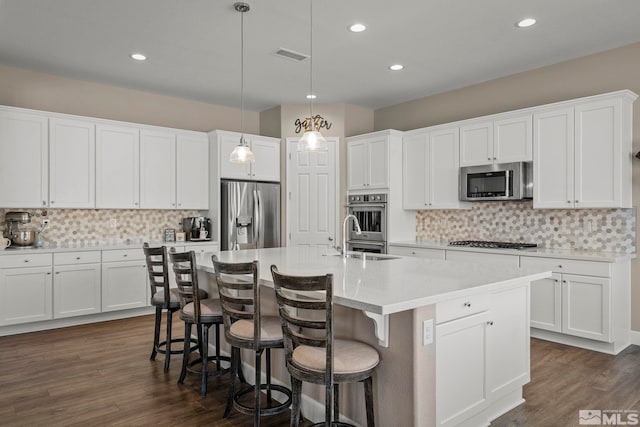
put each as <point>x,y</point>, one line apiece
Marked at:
<point>99,247</point>
<point>537,252</point>
<point>385,286</point>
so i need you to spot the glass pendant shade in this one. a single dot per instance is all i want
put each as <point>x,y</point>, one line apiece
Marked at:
<point>242,153</point>
<point>312,140</point>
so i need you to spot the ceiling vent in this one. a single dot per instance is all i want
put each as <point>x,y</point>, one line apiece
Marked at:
<point>290,54</point>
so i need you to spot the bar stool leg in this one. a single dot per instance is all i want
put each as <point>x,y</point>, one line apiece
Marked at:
<point>296,390</point>
<point>167,354</point>
<point>156,334</point>
<point>205,355</point>
<point>368,401</point>
<point>185,352</point>
<point>218,346</point>
<point>256,407</point>
<point>336,402</point>
<point>235,361</point>
<point>268,371</point>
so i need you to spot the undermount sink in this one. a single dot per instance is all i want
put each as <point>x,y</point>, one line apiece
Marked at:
<point>366,256</point>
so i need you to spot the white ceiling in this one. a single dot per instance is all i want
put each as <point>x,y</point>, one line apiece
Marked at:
<point>193,46</point>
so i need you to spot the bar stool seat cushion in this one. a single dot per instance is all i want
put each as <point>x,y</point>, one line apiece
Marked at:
<point>270,329</point>
<point>210,311</point>
<point>349,357</point>
<point>174,298</point>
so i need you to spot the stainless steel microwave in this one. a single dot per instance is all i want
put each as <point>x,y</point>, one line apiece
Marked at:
<point>501,181</point>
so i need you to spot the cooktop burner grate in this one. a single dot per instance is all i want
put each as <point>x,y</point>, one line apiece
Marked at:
<point>492,245</point>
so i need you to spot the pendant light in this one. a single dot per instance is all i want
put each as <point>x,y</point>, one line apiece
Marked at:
<point>312,139</point>
<point>242,153</point>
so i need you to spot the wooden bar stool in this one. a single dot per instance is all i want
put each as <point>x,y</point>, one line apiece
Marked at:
<point>203,313</point>
<point>246,327</point>
<point>163,299</point>
<point>314,356</point>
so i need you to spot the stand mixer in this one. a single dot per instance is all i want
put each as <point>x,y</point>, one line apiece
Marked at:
<point>20,237</point>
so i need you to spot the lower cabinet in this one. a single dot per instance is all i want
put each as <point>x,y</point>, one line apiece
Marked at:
<point>124,279</point>
<point>416,252</point>
<point>76,284</point>
<point>25,295</point>
<point>481,358</point>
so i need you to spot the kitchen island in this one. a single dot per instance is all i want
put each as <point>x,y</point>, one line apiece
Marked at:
<point>451,335</point>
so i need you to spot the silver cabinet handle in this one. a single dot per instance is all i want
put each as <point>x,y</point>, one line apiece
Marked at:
<point>490,323</point>
<point>78,258</point>
<point>125,255</point>
<point>57,272</point>
<point>560,266</point>
<point>44,203</point>
<point>568,201</point>
<point>467,304</point>
<point>26,260</point>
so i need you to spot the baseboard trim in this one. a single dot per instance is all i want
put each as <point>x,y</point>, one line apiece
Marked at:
<point>634,337</point>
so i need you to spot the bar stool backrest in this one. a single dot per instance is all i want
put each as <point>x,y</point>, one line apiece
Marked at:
<point>158,270</point>
<point>306,317</point>
<point>239,295</point>
<point>184,268</point>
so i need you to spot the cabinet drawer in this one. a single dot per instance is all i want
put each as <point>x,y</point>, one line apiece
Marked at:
<point>571,266</point>
<point>201,249</point>
<point>25,260</point>
<point>71,258</point>
<point>461,307</point>
<point>417,252</point>
<point>123,255</point>
<point>482,257</point>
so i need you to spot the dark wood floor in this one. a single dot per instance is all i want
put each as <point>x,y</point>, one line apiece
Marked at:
<point>100,375</point>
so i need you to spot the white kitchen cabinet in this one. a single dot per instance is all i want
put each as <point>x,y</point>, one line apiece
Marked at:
<point>367,162</point>
<point>25,288</point>
<point>157,170</point>
<point>266,152</point>
<point>430,169</point>
<point>461,352</point>
<point>583,153</point>
<point>192,171</point>
<point>416,252</point>
<point>76,284</point>
<point>72,164</point>
<point>24,165</point>
<point>481,257</point>
<point>578,300</point>
<point>502,138</point>
<point>124,279</point>
<point>117,167</point>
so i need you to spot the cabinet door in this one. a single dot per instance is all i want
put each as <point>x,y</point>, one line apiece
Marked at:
<point>378,161</point>
<point>513,139</point>
<point>124,285</point>
<point>444,169</point>
<point>193,172</point>
<point>546,303</point>
<point>415,176</point>
<point>117,167</point>
<point>508,341</point>
<point>76,290</point>
<point>24,167</point>
<point>25,295</point>
<point>157,170</point>
<point>585,307</point>
<point>476,144</point>
<point>72,164</point>
<point>357,165</point>
<point>227,143</point>
<point>553,159</point>
<point>267,164</point>
<point>461,349</point>
<point>598,154</point>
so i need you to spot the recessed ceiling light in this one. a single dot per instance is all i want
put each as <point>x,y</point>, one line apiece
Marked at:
<point>396,67</point>
<point>311,96</point>
<point>526,22</point>
<point>357,28</point>
<point>138,56</point>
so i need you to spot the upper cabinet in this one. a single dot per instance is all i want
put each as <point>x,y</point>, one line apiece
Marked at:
<point>72,163</point>
<point>192,171</point>
<point>24,171</point>
<point>369,159</point>
<point>430,169</point>
<point>502,138</point>
<point>266,151</point>
<point>117,167</point>
<point>583,153</point>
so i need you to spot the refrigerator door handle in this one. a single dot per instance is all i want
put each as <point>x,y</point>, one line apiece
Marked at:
<point>258,218</point>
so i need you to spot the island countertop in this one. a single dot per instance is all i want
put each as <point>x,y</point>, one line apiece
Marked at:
<point>381,286</point>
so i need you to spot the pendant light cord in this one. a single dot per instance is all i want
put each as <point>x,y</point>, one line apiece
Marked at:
<point>313,127</point>
<point>242,77</point>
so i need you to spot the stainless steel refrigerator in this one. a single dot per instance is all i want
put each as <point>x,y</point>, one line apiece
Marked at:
<point>249,215</point>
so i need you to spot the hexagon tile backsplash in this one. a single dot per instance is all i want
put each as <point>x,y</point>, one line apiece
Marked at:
<point>93,227</point>
<point>606,230</point>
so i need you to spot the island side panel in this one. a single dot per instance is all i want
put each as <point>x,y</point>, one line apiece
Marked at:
<point>424,369</point>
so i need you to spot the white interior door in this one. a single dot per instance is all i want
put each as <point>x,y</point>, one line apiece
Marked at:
<point>312,195</point>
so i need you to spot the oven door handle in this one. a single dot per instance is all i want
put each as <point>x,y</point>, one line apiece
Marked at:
<point>366,242</point>
<point>506,183</point>
<point>366,205</point>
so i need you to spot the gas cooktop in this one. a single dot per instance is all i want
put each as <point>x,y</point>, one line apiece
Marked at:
<point>492,245</point>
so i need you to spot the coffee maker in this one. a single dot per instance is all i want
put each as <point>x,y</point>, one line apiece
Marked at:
<point>197,228</point>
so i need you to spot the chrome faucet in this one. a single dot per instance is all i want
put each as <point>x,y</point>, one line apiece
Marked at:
<point>344,232</point>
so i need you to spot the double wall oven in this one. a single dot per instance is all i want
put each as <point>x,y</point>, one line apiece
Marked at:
<point>371,211</point>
